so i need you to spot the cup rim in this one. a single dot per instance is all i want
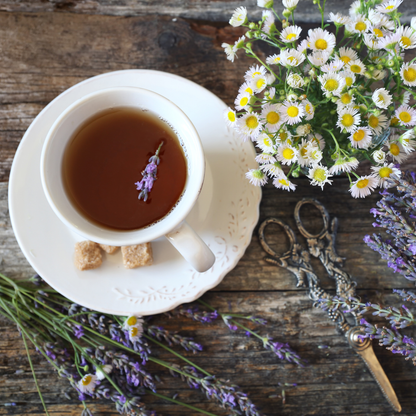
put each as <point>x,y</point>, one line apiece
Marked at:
<point>120,237</point>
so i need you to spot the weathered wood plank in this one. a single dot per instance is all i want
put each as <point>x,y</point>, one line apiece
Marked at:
<point>212,10</point>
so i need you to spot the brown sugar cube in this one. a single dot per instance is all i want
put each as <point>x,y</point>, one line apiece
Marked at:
<point>108,249</point>
<point>87,255</point>
<point>137,255</point>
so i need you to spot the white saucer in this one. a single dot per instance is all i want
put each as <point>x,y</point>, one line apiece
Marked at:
<point>224,216</point>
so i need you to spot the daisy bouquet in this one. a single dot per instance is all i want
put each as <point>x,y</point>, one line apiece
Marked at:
<point>329,99</point>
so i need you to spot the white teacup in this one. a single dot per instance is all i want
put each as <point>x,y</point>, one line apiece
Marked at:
<point>173,226</point>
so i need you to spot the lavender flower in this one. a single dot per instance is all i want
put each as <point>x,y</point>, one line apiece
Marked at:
<point>193,312</point>
<point>149,175</point>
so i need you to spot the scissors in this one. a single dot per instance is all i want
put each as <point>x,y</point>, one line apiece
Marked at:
<point>322,246</point>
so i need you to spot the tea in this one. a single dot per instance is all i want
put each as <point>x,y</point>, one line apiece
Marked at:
<point>104,160</point>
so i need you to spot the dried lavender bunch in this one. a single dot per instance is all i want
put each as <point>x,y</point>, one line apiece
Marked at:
<point>396,213</point>
<point>389,335</point>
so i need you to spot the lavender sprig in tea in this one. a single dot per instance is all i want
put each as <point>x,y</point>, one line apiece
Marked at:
<point>149,175</point>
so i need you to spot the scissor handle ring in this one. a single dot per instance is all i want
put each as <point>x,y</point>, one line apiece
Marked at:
<point>288,231</point>
<point>322,210</point>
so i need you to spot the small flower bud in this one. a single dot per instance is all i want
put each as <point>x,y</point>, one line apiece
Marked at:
<point>252,25</point>
<point>249,35</point>
<point>286,13</point>
<point>390,63</point>
<point>367,74</point>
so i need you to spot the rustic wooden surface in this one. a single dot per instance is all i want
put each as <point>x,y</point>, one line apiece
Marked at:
<point>48,46</point>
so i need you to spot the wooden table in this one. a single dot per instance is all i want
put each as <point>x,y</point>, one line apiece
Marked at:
<point>48,46</point>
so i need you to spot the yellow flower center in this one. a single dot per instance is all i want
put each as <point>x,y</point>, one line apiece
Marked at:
<point>308,108</point>
<point>272,117</point>
<point>277,59</point>
<point>303,151</point>
<point>347,120</point>
<point>249,90</point>
<point>346,98</point>
<point>355,68</point>
<point>292,111</point>
<point>252,122</point>
<point>86,380</point>
<point>319,175</point>
<point>381,98</point>
<point>373,121</point>
<point>243,101</point>
<point>406,41</point>
<point>133,320</point>
<point>394,121</point>
<point>345,59</point>
<point>360,26</point>
<point>231,116</point>
<point>394,149</point>
<point>288,153</point>
<point>405,116</point>
<point>321,44</point>
<point>284,182</point>
<point>385,172</point>
<point>331,85</point>
<point>391,7</point>
<point>283,136</point>
<point>292,60</point>
<point>409,74</point>
<point>267,142</point>
<point>362,183</point>
<point>291,36</point>
<point>348,81</point>
<point>255,73</point>
<point>260,82</point>
<point>134,331</point>
<point>378,32</point>
<point>358,135</point>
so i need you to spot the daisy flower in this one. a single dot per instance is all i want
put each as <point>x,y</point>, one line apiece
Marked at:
<point>309,109</point>
<point>356,67</point>
<point>302,46</point>
<point>332,83</point>
<point>273,169</point>
<point>378,74</point>
<point>256,177</point>
<point>345,99</point>
<point>318,139</point>
<point>382,98</point>
<point>246,87</point>
<point>361,138</point>
<point>287,154</point>
<point>270,93</point>
<point>105,369</point>
<point>349,77</point>
<point>273,59</point>
<point>363,186</point>
<point>265,158</point>
<point>135,333</point>
<point>239,17</point>
<point>230,51</point>
<point>265,3</point>
<point>292,113</point>
<point>407,141</point>
<point>338,19</point>
<point>382,173</point>
<point>376,32</point>
<point>379,156</point>
<point>270,114</point>
<point>396,151</point>
<point>302,152</point>
<point>389,6</point>
<point>405,98</point>
<point>230,117</point>
<point>348,119</point>
<point>242,101</point>
<point>291,57</point>
<point>295,81</point>
<point>319,58</point>
<point>377,123</point>
<point>290,4</point>
<point>313,153</point>
<point>259,83</point>
<point>355,8</point>
<point>290,34</point>
<point>87,383</point>
<point>284,135</point>
<point>359,25</point>
<point>282,182</point>
<point>390,41</point>
<point>253,71</point>
<point>343,165</point>
<point>249,126</point>
<point>406,115</point>
<point>334,66</point>
<point>133,321</point>
<point>265,143</point>
<point>413,23</point>
<point>303,130</point>
<point>408,74</point>
<point>371,42</point>
<point>321,40</point>
<point>319,175</point>
<point>407,37</point>
<point>240,42</point>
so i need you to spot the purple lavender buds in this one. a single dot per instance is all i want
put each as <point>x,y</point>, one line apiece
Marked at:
<point>149,175</point>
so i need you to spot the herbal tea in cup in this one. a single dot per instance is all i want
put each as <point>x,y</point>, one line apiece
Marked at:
<point>110,148</point>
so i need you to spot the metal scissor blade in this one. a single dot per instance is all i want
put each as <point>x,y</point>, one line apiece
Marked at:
<point>364,349</point>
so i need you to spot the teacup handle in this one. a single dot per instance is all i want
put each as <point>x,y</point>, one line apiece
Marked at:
<point>191,247</point>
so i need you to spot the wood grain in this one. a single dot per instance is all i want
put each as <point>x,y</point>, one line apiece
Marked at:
<point>48,46</point>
